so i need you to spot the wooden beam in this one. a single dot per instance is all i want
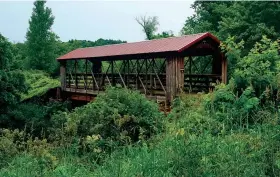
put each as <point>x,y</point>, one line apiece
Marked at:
<point>136,75</point>
<point>63,75</point>
<point>174,77</point>
<point>146,74</point>
<point>127,74</point>
<point>76,79</point>
<point>180,74</point>
<point>190,72</point>
<point>151,77</point>
<point>112,71</point>
<point>224,69</point>
<point>86,75</point>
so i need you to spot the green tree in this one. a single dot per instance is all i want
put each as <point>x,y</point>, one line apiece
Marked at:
<point>164,34</point>
<point>11,81</point>
<point>40,39</point>
<point>149,25</point>
<point>247,21</point>
<point>20,60</point>
<point>5,54</point>
<point>259,68</point>
<point>206,17</point>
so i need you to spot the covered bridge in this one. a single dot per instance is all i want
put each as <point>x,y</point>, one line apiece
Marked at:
<point>160,69</point>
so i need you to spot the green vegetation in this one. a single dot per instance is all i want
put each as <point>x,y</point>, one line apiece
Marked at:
<point>40,39</point>
<point>247,21</point>
<point>192,143</point>
<point>11,81</point>
<point>88,134</point>
<point>232,131</point>
<point>38,83</point>
<point>150,27</point>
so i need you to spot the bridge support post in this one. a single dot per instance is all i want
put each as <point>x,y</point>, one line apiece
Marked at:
<point>63,75</point>
<point>174,77</point>
<point>224,69</point>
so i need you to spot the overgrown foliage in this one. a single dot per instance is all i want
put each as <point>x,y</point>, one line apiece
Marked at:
<point>116,118</point>
<point>251,96</point>
<point>247,21</point>
<point>38,83</point>
<point>259,68</point>
<point>11,81</point>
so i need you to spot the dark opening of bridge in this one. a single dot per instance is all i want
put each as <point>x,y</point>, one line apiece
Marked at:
<point>161,69</point>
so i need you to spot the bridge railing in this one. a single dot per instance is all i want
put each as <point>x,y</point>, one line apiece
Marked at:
<point>147,83</point>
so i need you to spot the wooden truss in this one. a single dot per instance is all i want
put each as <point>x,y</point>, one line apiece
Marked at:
<point>165,77</point>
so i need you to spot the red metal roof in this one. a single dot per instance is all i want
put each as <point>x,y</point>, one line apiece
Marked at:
<point>172,44</point>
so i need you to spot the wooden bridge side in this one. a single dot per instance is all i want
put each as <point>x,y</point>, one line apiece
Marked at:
<point>174,77</point>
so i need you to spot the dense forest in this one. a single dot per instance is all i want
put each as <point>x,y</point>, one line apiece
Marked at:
<point>232,131</point>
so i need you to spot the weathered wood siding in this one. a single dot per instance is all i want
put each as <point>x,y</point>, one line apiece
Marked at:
<point>224,70</point>
<point>63,75</point>
<point>174,77</point>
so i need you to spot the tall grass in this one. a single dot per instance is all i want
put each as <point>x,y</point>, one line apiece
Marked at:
<point>191,143</point>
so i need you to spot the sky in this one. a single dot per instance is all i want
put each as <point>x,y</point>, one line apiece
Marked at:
<point>91,20</point>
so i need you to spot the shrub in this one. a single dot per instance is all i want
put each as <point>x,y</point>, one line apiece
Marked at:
<point>232,109</point>
<point>10,144</point>
<point>257,70</point>
<point>118,117</point>
<point>15,142</point>
<point>197,145</point>
<point>34,117</point>
<point>189,116</point>
<point>235,154</point>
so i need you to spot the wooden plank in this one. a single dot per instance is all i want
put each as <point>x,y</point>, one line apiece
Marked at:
<point>86,79</point>
<point>63,75</point>
<point>203,75</point>
<point>190,72</point>
<point>174,77</point>
<point>136,75</point>
<point>157,80</point>
<point>180,74</point>
<point>76,81</point>
<point>151,78</point>
<point>224,70</point>
<point>112,74</point>
<point>82,97</point>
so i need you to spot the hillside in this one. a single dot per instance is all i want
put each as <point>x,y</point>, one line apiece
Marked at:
<point>38,84</point>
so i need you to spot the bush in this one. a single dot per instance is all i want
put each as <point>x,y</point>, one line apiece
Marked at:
<point>115,111</point>
<point>34,117</point>
<point>18,142</point>
<point>195,144</point>
<point>10,144</point>
<point>235,154</point>
<point>115,118</point>
<point>257,70</point>
<point>231,109</point>
<point>190,117</point>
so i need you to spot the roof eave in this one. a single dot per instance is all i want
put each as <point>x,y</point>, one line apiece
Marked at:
<point>199,39</point>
